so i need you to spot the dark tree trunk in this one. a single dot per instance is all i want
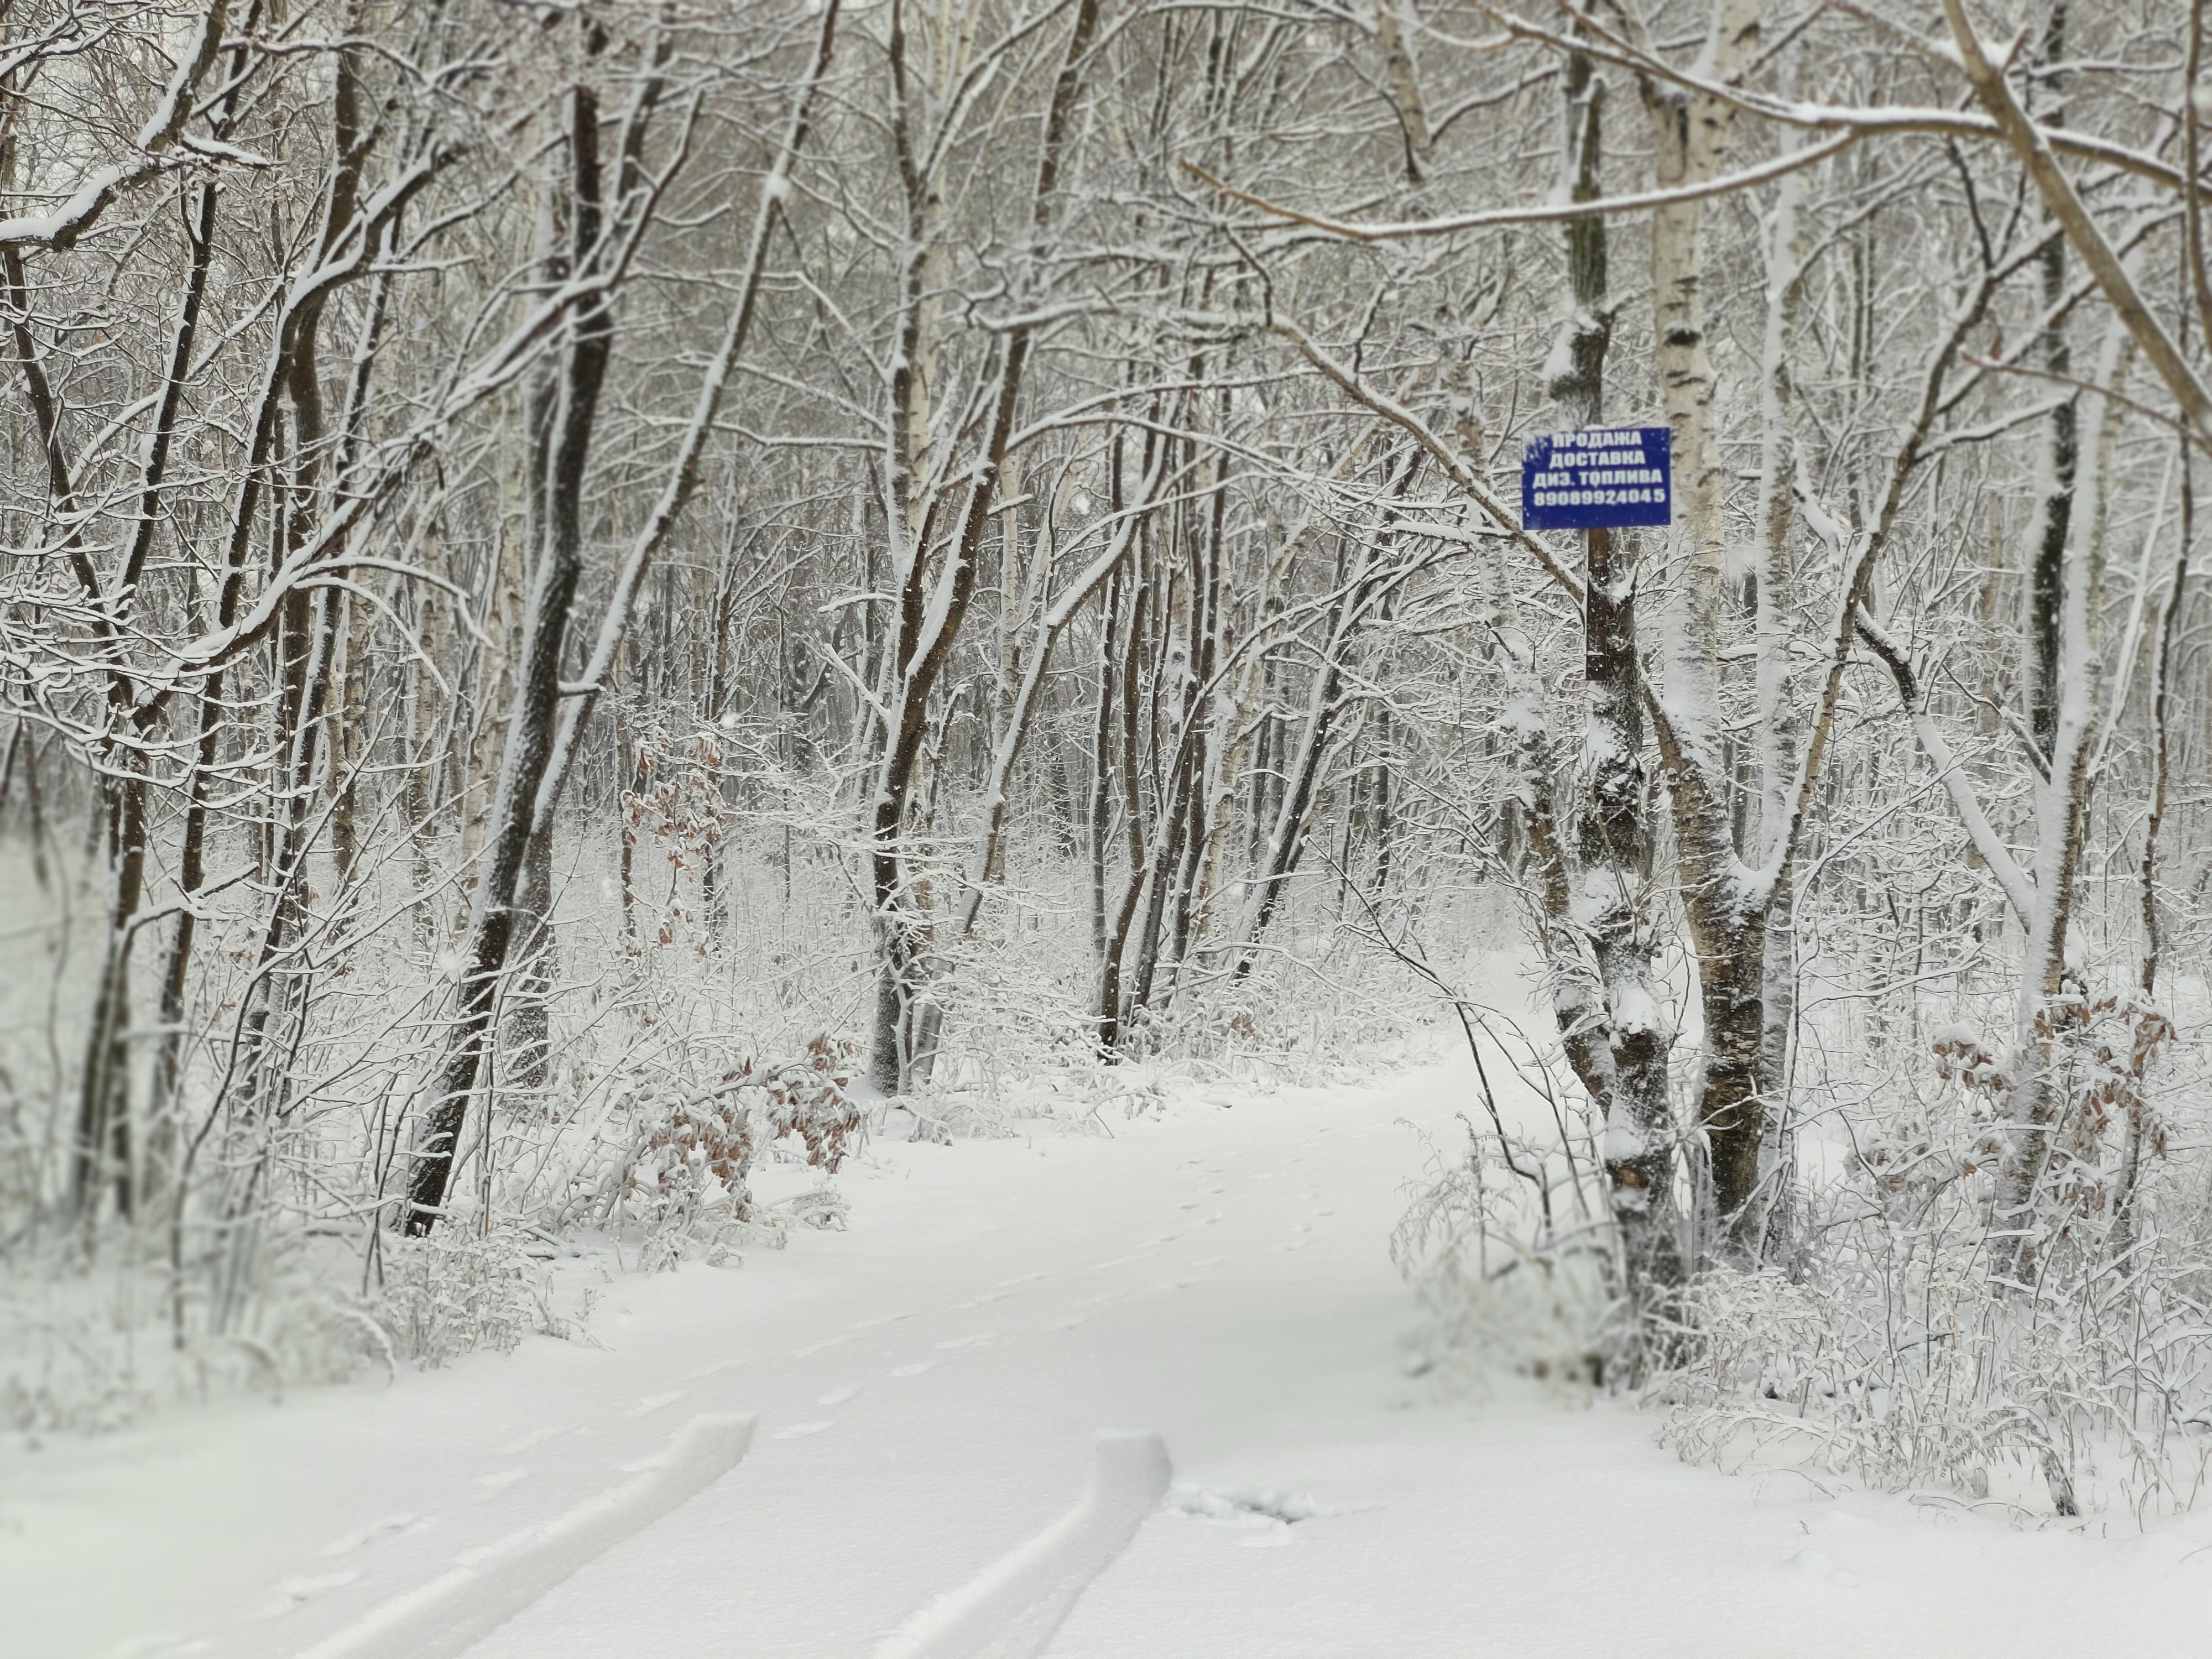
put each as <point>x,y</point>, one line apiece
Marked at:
<point>531,729</point>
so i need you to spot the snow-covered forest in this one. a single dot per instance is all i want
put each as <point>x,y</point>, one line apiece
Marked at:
<point>613,611</point>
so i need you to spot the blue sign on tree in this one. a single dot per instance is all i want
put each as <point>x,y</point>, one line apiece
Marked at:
<point>1600,478</point>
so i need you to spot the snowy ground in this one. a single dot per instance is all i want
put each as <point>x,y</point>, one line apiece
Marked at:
<point>927,1384</point>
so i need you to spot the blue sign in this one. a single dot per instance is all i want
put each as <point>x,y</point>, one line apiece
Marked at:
<point>1603,477</point>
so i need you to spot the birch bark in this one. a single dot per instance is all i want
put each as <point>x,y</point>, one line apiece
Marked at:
<point>1691,132</point>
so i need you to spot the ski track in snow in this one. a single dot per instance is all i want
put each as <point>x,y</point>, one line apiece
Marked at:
<point>489,1585</point>
<point>1220,1276</point>
<point>1012,1609</point>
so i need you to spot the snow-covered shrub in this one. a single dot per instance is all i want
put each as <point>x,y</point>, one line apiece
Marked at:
<point>67,1362</point>
<point>2098,1121</point>
<point>451,1293</point>
<point>1504,1286</point>
<point>685,1174</point>
<point>1908,1367</point>
<point>1322,1011</point>
<point>95,1344</point>
<point>1921,1337</point>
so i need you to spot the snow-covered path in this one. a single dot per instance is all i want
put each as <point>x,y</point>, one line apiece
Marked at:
<point>927,1385</point>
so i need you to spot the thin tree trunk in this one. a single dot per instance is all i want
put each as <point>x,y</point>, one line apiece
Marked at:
<point>2169,628</point>
<point>531,728</point>
<point>931,612</point>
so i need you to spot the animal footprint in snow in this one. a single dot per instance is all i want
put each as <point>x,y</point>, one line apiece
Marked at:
<point>914,1369</point>
<point>800,1431</point>
<point>827,1342</point>
<point>501,1480</point>
<point>346,1543</point>
<point>975,1341</point>
<point>1268,1515</point>
<point>839,1396</point>
<point>291,1592</point>
<point>864,1325</point>
<point>535,1437</point>
<point>650,1403</point>
<point>1814,1564</point>
<point>979,1301</point>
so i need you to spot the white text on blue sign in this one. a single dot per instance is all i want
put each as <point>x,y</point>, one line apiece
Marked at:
<point>1600,478</point>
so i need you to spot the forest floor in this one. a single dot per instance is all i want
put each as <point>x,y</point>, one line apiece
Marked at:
<point>927,1383</point>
